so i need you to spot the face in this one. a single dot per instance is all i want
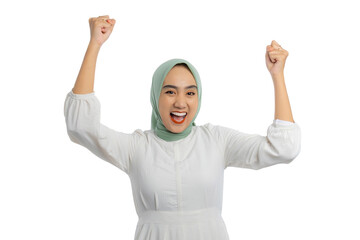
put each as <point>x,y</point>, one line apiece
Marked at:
<point>178,100</point>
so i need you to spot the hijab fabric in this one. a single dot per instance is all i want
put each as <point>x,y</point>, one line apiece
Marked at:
<point>157,81</point>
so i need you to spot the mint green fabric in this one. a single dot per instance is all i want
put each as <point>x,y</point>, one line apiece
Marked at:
<point>157,82</point>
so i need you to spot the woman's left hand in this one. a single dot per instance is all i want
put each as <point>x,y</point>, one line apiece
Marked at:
<point>275,58</point>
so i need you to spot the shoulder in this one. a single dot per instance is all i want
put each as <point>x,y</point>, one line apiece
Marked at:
<point>211,135</point>
<point>220,133</point>
<point>205,127</point>
<point>210,130</point>
<point>137,136</point>
<point>141,134</point>
<point>146,136</point>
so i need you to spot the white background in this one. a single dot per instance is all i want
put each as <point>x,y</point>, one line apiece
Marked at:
<point>52,188</point>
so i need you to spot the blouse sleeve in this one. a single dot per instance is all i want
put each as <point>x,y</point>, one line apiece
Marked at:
<point>283,122</point>
<point>281,145</point>
<point>82,117</point>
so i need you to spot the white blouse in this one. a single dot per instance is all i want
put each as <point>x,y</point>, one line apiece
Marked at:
<point>178,186</point>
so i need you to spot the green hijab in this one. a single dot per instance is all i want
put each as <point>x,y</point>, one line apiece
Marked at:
<point>157,82</point>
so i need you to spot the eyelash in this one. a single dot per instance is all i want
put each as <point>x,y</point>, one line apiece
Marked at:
<point>168,92</point>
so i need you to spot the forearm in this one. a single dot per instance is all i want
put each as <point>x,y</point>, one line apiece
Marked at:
<point>282,103</point>
<point>85,80</point>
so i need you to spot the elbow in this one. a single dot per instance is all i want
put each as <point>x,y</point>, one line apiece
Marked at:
<point>277,155</point>
<point>284,149</point>
<point>287,155</point>
<point>82,132</point>
<point>79,135</point>
<point>75,135</point>
<point>283,143</point>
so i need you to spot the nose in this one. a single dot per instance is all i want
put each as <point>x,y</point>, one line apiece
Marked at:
<point>180,101</point>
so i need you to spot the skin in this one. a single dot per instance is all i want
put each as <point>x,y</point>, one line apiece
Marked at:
<point>101,28</point>
<point>182,96</point>
<point>275,58</point>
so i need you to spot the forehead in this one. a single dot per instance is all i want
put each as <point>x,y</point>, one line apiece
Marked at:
<point>179,75</point>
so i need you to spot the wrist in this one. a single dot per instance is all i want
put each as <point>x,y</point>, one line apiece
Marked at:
<point>94,45</point>
<point>278,76</point>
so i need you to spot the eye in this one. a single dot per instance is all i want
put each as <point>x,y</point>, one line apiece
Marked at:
<point>169,92</point>
<point>191,93</point>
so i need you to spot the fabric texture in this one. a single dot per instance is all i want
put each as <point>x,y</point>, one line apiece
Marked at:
<point>177,186</point>
<point>157,82</point>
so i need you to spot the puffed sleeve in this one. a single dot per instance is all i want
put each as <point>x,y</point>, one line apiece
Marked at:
<point>281,145</point>
<point>82,117</point>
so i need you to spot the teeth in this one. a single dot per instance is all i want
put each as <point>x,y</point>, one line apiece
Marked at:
<point>179,114</point>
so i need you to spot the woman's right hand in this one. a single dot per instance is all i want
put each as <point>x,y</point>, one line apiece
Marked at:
<point>100,29</point>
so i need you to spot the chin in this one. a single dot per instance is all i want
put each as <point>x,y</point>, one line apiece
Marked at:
<point>175,129</point>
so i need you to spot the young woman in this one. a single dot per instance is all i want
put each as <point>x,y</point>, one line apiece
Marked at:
<point>176,168</point>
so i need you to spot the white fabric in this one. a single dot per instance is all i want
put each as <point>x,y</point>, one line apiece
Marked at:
<point>178,186</point>
<point>283,122</point>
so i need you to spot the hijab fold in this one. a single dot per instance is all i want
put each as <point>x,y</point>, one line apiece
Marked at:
<point>157,81</point>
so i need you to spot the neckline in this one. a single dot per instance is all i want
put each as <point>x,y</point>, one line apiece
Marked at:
<point>193,129</point>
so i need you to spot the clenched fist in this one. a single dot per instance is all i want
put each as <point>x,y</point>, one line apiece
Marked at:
<point>275,58</point>
<point>100,29</point>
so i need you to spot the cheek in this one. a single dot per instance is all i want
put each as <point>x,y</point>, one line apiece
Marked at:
<point>195,105</point>
<point>163,106</point>
<point>162,111</point>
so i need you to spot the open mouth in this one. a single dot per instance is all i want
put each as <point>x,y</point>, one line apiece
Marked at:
<point>178,118</point>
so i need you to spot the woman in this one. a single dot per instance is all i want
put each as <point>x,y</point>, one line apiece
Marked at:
<point>176,168</point>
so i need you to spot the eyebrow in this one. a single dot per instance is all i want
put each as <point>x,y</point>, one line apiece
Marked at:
<point>173,86</point>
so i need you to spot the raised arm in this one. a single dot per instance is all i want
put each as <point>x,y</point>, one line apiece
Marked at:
<point>100,30</point>
<point>275,61</point>
<point>82,109</point>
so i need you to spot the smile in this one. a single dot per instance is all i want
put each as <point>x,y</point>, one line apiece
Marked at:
<point>177,117</point>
